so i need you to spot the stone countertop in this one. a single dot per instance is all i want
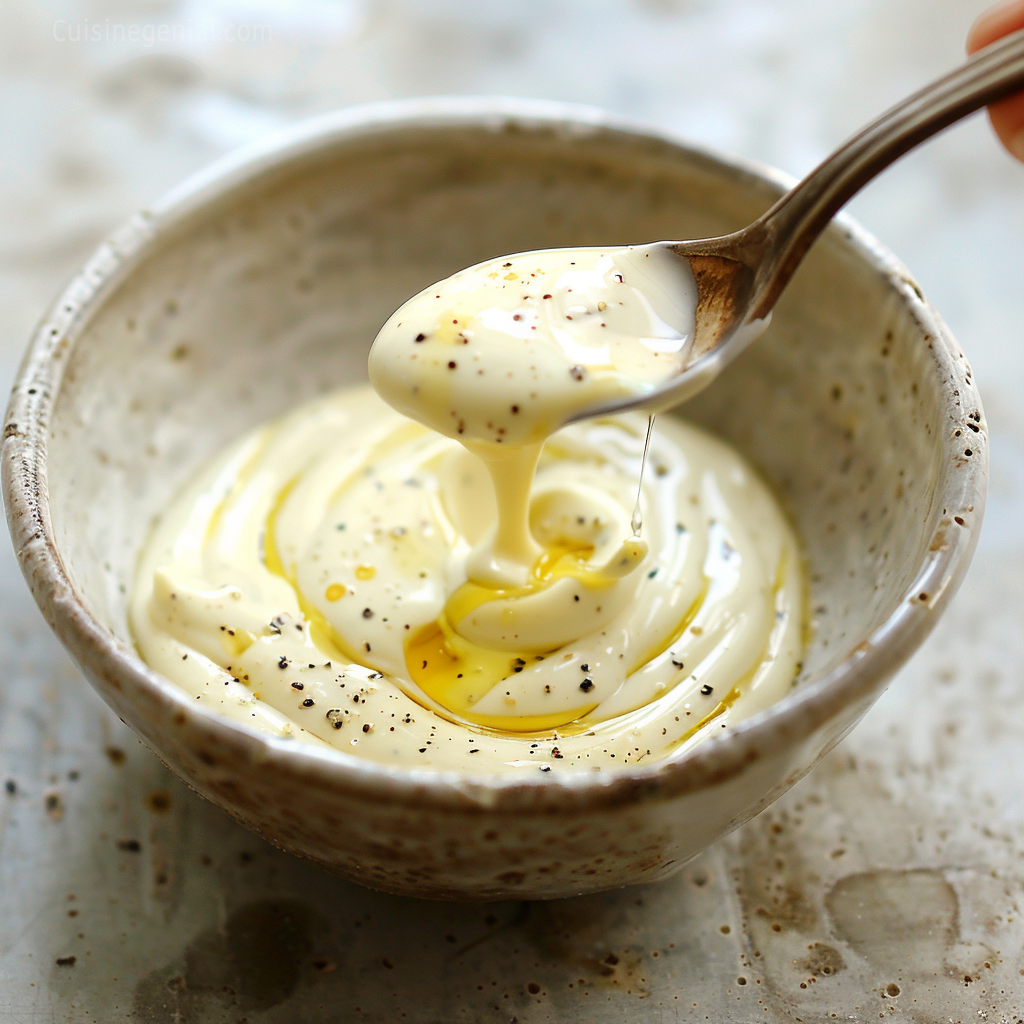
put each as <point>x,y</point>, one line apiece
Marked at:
<point>887,885</point>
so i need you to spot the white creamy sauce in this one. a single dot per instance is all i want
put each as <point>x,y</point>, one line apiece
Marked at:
<point>507,351</point>
<point>457,593</point>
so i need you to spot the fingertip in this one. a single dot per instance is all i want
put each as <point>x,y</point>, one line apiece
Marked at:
<point>1007,118</point>
<point>996,22</point>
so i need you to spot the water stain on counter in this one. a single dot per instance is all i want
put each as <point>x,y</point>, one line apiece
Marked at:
<point>254,962</point>
<point>585,943</point>
<point>883,914</point>
<point>285,959</point>
<point>837,934</point>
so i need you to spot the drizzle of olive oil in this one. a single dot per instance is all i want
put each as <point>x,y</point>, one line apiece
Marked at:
<point>456,673</point>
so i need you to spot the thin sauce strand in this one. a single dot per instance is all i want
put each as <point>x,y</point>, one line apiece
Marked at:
<point>637,522</point>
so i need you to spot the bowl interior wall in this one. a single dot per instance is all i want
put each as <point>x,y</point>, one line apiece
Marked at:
<point>274,292</point>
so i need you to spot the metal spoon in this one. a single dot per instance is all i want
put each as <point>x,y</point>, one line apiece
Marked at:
<point>739,277</point>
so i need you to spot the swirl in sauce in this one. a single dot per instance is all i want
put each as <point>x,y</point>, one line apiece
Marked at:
<point>467,592</point>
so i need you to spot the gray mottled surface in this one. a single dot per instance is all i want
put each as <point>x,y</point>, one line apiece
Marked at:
<point>886,885</point>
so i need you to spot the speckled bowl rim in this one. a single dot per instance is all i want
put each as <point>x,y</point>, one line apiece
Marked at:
<point>856,680</point>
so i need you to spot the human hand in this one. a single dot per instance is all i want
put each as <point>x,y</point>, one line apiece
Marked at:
<point>1007,115</point>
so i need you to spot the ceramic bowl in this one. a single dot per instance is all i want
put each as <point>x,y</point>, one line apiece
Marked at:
<point>263,281</point>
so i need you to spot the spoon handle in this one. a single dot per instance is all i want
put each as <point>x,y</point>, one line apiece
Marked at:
<point>785,233</point>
